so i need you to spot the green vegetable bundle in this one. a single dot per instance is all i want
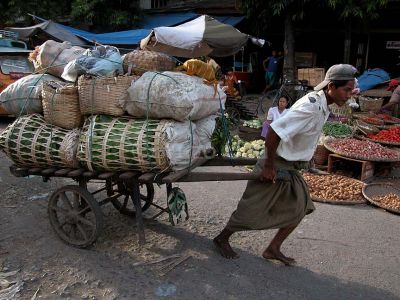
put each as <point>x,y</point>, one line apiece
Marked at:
<point>31,142</point>
<point>337,130</point>
<point>117,144</point>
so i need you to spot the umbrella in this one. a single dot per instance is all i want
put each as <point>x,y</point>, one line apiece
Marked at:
<point>200,37</point>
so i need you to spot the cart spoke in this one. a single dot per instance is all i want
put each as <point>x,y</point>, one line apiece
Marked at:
<point>85,221</point>
<point>84,210</point>
<point>59,209</point>
<point>76,201</point>
<point>65,199</point>
<point>82,231</point>
<point>62,225</point>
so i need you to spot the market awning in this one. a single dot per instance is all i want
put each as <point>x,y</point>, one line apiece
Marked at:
<point>54,30</point>
<point>134,36</point>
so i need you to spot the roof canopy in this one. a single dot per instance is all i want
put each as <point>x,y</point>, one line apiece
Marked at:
<point>55,30</point>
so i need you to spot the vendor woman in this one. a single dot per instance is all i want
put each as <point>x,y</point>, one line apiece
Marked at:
<point>274,113</point>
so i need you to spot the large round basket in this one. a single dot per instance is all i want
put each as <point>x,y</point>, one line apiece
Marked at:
<point>61,104</point>
<point>249,134</point>
<point>340,201</point>
<point>102,95</point>
<point>321,155</point>
<point>350,155</point>
<point>377,189</point>
<point>139,61</point>
<point>370,104</point>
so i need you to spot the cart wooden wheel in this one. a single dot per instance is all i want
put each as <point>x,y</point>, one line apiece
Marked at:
<point>75,215</point>
<point>124,204</point>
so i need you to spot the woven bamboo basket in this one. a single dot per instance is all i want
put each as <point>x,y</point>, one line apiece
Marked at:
<point>102,95</point>
<point>379,189</point>
<point>31,142</point>
<point>342,111</point>
<point>370,104</point>
<point>61,105</point>
<point>139,61</point>
<point>118,144</point>
<point>321,155</point>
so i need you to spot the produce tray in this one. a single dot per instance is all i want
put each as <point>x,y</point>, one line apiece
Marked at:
<point>376,141</point>
<point>376,189</point>
<point>326,144</point>
<point>338,201</point>
<point>394,120</point>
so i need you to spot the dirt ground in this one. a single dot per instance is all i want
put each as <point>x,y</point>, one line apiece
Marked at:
<point>343,252</point>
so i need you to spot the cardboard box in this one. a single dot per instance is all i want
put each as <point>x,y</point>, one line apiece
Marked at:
<point>305,59</point>
<point>313,75</point>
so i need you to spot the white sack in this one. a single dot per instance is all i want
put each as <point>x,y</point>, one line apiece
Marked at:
<point>100,61</point>
<point>24,96</point>
<point>172,95</point>
<point>56,54</point>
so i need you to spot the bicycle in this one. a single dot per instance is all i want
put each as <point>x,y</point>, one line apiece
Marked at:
<point>299,87</point>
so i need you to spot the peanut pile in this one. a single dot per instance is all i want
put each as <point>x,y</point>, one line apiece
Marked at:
<point>390,200</point>
<point>334,187</point>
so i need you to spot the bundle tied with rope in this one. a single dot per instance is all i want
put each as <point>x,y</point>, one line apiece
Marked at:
<point>123,143</point>
<point>31,142</point>
<point>172,95</point>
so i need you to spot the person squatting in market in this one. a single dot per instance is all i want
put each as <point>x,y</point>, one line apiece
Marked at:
<point>281,199</point>
<point>394,99</point>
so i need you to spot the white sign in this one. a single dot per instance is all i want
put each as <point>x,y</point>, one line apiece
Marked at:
<point>393,45</point>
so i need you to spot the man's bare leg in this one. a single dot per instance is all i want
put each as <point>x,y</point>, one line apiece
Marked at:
<point>221,241</point>
<point>273,251</point>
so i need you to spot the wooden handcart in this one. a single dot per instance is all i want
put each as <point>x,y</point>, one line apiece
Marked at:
<point>74,212</point>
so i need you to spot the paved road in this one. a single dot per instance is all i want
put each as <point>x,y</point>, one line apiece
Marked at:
<point>343,252</point>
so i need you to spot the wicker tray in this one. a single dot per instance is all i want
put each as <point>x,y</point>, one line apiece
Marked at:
<point>362,115</point>
<point>249,134</point>
<point>326,144</point>
<point>338,201</point>
<point>375,189</point>
<point>376,141</point>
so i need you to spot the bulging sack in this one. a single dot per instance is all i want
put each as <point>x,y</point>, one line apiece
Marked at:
<point>51,57</point>
<point>24,96</point>
<point>172,95</point>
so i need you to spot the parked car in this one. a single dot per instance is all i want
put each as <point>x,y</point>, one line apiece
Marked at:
<point>14,63</point>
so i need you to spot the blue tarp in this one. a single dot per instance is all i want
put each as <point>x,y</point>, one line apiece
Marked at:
<point>133,37</point>
<point>171,19</point>
<point>233,21</point>
<point>371,78</point>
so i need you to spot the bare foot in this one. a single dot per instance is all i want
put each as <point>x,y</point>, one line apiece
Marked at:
<point>224,248</point>
<point>273,254</point>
